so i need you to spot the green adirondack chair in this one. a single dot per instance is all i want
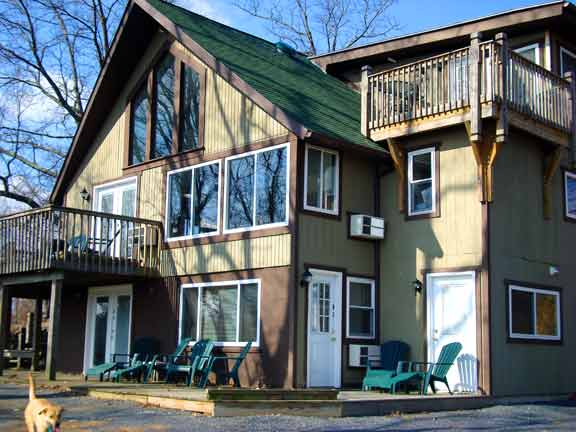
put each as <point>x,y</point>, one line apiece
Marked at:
<point>189,364</point>
<point>199,361</point>
<point>436,371</point>
<point>133,370</point>
<point>159,362</point>
<point>379,372</point>
<point>101,370</point>
<point>225,376</point>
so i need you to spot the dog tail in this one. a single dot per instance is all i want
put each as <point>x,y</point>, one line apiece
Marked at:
<point>32,387</point>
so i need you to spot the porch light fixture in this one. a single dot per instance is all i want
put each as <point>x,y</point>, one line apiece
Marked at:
<point>306,278</point>
<point>85,195</point>
<point>417,286</point>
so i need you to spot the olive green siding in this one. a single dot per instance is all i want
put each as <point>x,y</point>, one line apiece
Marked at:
<point>324,241</point>
<point>523,245</point>
<point>451,241</point>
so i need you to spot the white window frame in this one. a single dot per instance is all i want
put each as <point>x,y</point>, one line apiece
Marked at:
<point>512,335</point>
<point>336,210</point>
<point>572,176</point>
<point>288,173</point>
<point>167,215</point>
<point>562,52</point>
<point>372,284</point>
<point>525,48</point>
<point>432,152</point>
<point>121,184</point>
<point>238,283</point>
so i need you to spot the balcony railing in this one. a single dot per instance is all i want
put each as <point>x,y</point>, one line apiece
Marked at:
<point>443,85</point>
<point>55,238</point>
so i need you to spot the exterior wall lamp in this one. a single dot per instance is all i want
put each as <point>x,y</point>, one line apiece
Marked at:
<point>85,195</point>
<point>417,285</point>
<point>306,278</point>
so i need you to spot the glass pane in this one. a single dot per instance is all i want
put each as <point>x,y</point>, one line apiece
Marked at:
<point>206,199</point>
<point>189,319</point>
<point>528,54</point>
<point>568,63</point>
<point>422,167</point>
<point>123,326</point>
<point>570,196</point>
<point>128,202</point>
<point>324,307</point>
<point>100,331</point>
<point>522,312</point>
<point>360,294</point>
<point>313,178</point>
<point>164,112</point>
<point>421,196</point>
<point>248,312</point>
<point>546,322</point>
<point>179,218</point>
<point>361,322</point>
<point>190,108</point>
<point>219,313</point>
<point>139,120</point>
<point>107,203</point>
<point>271,186</point>
<point>240,192</point>
<point>329,182</point>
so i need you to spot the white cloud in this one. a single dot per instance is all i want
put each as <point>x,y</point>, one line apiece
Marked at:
<point>206,8</point>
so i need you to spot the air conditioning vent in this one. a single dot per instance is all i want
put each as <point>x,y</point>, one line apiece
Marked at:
<point>367,227</point>
<point>358,355</point>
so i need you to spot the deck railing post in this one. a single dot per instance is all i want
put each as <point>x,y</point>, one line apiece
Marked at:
<point>4,322</point>
<point>502,63</point>
<point>366,100</point>
<point>53,329</point>
<point>569,76</point>
<point>475,88</point>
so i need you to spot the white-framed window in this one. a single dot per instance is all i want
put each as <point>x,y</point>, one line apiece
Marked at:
<point>227,313</point>
<point>567,61</point>
<point>193,201</point>
<point>321,180</point>
<point>533,313</point>
<point>530,52</point>
<point>257,189</point>
<point>361,309</point>
<point>570,195</point>
<point>422,181</point>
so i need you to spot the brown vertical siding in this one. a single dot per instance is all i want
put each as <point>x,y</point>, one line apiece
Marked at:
<point>72,330</point>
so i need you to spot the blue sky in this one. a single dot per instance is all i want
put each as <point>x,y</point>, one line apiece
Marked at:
<point>411,15</point>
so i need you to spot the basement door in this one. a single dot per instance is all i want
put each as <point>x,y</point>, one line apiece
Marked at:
<point>324,329</point>
<point>108,324</point>
<point>452,318</point>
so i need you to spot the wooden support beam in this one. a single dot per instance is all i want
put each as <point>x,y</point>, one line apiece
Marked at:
<point>53,329</point>
<point>503,62</point>
<point>36,337</point>
<point>365,97</point>
<point>399,159</point>
<point>475,87</point>
<point>552,162</point>
<point>485,153</point>
<point>5,303</point>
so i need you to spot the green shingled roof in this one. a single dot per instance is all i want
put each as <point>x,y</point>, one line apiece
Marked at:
<point>321,103</point>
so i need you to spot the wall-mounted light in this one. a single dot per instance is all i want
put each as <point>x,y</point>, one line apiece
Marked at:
<point>417,285</point>
<point>305,278</point>
<point>85,195</point>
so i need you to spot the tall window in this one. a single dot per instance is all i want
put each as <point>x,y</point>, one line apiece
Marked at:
<point>257,189</point>
<point>193,204</point>
<point>225,312</point>
<point>190,82</point>
<point>570,195</point>
<point>139,118</point>
<point>422,182</point>
<point>163,108</point>
<point>567,61</point>
<point>534,313</point>
<point>321,181</point>
<point>361,308</point>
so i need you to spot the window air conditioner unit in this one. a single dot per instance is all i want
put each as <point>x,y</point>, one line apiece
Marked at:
<point>367,227</point>
<point>358,355</point>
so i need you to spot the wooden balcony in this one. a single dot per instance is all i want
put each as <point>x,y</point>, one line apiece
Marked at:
<point>57,238</point>
<point>452,88</point>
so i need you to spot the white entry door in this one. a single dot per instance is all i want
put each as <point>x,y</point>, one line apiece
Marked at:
<point>324,329</point>
<point>108,324</point>
<point>452,318</point>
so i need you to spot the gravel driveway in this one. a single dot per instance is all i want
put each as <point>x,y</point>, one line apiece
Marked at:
<point>85,414</point>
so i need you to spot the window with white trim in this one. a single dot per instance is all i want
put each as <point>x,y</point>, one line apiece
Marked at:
<point>422,181</point>
<point>192,208</point>
<point>228,313</point>
<point>361,301</point>
<point>567,61</point>
<point>530,52</point>
<point>533,313</point>
<point>321,182</point>
<point>570,195</point>
<point>257,189</point>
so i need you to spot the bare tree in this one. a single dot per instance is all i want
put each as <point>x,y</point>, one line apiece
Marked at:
<point>319,26</point>
<point>50,55</point>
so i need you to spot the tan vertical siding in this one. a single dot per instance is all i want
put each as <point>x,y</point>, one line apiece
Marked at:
<point>151,194</point>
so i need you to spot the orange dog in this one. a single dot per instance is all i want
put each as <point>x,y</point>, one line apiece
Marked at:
<point>40,415</point>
